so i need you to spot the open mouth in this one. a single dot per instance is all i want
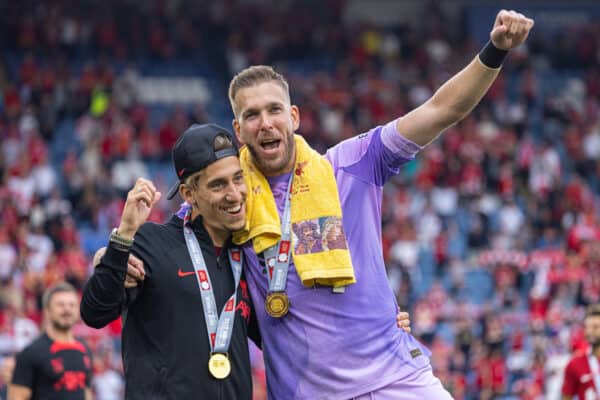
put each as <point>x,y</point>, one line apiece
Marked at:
<point>270,144</point>
<point>234,210</point>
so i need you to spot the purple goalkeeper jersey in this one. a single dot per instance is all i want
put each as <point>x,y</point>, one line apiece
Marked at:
<point>337,346</point>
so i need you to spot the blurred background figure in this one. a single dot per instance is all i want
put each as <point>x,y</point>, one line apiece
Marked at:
<point>582,374</point>
<point>54,365</point>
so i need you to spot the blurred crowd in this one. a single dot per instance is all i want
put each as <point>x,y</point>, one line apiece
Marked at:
<point>491,236</point>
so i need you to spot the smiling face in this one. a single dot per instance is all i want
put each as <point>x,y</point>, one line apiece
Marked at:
<point>265,122</point>
<point>218,193</point>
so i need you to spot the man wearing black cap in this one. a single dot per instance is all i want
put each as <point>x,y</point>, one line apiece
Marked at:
<point>174,345</point>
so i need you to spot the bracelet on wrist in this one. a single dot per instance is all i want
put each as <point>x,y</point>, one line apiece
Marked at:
<point>120,242</point>
<point>491,56</point>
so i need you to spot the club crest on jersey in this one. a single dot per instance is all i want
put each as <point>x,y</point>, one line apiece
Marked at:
<point>300,168</point>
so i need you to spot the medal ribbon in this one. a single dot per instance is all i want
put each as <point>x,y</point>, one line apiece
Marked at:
<point>593,361</point>
<point>219,329</point>
<point>277,257</point>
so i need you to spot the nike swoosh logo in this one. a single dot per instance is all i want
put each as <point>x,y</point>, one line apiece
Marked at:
<point>181,274</point>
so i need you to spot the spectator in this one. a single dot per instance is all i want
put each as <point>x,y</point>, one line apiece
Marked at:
<point>55,365</point>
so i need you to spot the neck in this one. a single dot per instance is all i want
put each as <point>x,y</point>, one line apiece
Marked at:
<point>218,237</point>
<point>290,167</point>
<point>59,334</point>
<point>596,351</point>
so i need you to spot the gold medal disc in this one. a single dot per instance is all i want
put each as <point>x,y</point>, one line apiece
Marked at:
<point>219,366</point>
<point>277,304</point>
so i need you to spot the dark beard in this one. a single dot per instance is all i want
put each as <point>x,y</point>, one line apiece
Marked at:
<point>59,326</point>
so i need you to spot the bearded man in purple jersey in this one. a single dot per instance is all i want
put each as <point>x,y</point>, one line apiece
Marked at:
<point>328,331</point>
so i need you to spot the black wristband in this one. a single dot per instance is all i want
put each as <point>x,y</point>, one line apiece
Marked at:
<point>491,56</point>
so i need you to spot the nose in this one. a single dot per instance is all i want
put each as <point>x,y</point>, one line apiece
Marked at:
<point>266,122</point>
<point>235,193</point>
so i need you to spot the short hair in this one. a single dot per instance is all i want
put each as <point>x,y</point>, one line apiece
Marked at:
<point>253,76</point>
<point>221,142</point>
<point>58,288</point>
<point>593,310</point>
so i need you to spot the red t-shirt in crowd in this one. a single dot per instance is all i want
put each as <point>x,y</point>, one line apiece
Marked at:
<point>579,380</point>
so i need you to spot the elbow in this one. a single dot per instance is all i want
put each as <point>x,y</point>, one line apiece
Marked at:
<point>94,323</point>
<point>456,116</point>
<point>448,118</point>
<point>446,114</point>
<point>90,320</point>
<point>454,113</point>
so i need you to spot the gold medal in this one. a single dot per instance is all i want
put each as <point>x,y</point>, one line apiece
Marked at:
<point>277,304</point>
<point>219,365</point>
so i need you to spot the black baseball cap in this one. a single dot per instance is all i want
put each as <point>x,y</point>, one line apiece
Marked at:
<point>194,151</point>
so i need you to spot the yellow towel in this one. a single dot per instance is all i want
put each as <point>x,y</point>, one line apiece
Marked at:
<point>319,246</point>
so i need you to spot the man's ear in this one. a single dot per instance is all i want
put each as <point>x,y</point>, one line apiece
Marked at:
<point>236,128</point>
<point>186,193</point>
<point>295,113</point>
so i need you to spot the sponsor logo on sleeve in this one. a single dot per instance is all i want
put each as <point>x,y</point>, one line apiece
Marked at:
<point>416,353</point>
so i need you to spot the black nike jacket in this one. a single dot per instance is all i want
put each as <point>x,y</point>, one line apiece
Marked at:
<point>165,342</point>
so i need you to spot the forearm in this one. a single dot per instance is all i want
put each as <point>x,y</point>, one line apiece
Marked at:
<point>463,91</point>
<point>450,103</point>
<point>104,294</point>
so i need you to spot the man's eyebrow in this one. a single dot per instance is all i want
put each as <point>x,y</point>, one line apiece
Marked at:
<point>249,111</point>
<point>269,105</point>
<point>216,180</point>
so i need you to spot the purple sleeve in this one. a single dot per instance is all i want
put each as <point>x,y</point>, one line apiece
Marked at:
<point>373,156</point>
